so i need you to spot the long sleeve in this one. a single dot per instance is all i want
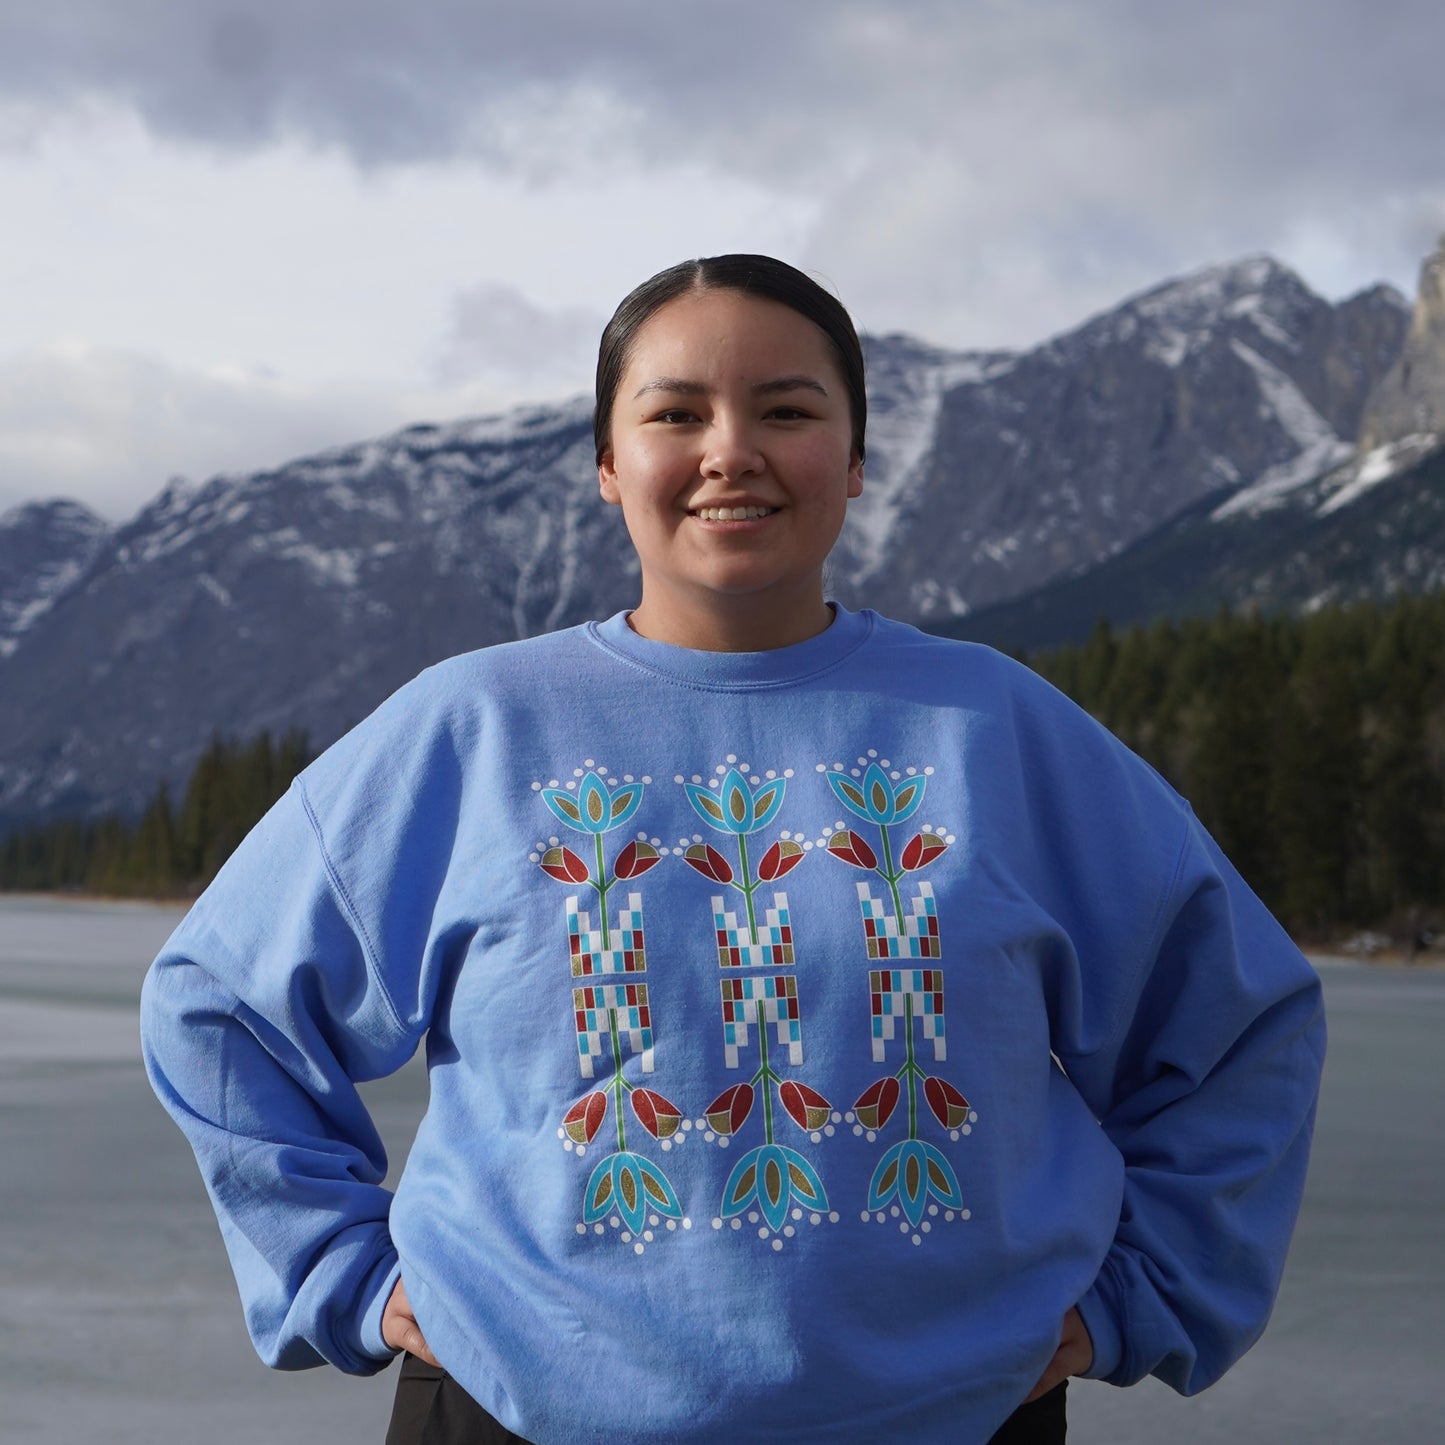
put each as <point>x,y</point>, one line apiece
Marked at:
<point>257,1018</point>
<point>1204,1075</point>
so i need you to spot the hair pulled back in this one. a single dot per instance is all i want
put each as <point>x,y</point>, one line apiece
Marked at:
<point>753,276</point>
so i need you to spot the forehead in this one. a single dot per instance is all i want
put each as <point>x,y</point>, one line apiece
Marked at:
<point>703,334</point>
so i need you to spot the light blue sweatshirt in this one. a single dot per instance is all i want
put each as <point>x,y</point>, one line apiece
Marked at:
<point>807,1030</point>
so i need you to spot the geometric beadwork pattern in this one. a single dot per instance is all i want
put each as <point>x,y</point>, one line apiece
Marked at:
<point>772,947</point>
<point>595,1005</point>
<point>893,989</point>
<point>743,994</point>
<point>919,937</point>
<point>627,953</point>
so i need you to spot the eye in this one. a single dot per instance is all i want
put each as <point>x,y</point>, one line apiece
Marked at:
<point>788,413</point>
<point>675,416</point>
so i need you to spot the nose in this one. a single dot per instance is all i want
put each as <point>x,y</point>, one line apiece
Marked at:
<point>731,450</point>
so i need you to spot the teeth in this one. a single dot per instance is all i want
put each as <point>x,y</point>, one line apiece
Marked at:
<point>733,514</point>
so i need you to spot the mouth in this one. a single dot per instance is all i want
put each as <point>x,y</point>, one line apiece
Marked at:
<point>732,514</point>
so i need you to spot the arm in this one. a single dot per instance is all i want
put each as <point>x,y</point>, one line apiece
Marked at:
<point>260,1013</point>
<point>1205,1076</point>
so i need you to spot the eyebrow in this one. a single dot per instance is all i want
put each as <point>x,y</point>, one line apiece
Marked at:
<point>679,386</point>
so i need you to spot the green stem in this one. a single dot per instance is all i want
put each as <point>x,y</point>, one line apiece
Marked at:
<point>767,1075</point>
<point>891,877</point>
<point>603,884</point>
<point>911,1067</point>
<point>747,888</point>
<point>617,1079</point>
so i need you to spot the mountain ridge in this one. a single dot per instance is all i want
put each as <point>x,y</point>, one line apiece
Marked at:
<point>299,595</point>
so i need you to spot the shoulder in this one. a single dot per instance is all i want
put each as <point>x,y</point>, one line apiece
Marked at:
<point>445,713</point>
<point>1017,721</point>
<point>973,674</point>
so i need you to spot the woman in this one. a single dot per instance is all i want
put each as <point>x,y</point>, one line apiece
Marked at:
<point>777,966</point>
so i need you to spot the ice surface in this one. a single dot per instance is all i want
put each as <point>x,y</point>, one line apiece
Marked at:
<point>109,1239</point>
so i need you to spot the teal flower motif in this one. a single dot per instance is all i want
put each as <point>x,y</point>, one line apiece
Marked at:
<point>735,807</point>
<point>594,808</point>
<point>877,797</point>
<point>909,1172</point>
<point>630,1186</point>
<point>772,1177</point>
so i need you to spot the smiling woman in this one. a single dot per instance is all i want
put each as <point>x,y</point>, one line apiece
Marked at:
<point>731,452</point>
<point>896,1046</point>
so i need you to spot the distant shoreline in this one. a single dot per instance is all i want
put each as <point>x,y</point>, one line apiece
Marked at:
<point>1329,953</point>
<point>65,895</point>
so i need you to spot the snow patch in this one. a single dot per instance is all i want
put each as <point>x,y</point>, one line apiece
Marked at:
<point>1169,346</point>
<point>900,439</point>
<point>1378,466</point>
<point>1253,308</point>
<point>932,597</point>
<point>1306,427</point>
<point>1273,488</point>
<point>209,584</point>
<point>50,585</point>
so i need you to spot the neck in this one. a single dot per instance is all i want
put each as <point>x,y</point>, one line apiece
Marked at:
<point>749,625</point>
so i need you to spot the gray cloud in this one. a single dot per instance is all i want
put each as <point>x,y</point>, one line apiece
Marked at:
<point>496,334</point>
<point>111,426</point>
<point>1100,143</point>
<point>1291,87</point>
<point>979,173</point>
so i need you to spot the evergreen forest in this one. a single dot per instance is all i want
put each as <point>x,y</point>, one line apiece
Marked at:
<point>170,851</point>
<point>1313,748</point>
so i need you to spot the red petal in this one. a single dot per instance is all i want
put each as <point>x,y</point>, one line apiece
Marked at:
<point>848,846</point>
<point>921,850</point>
<point>564,865</point>
<point>807,1107</point>
<point>726,1113</point>
<point>780,859</point>
<point>584,1118</point>
<point>635,859</point>
<point>658,1115</point>
<point>877,1102</point>
<point>949,1107</point>
<point>709,862</point>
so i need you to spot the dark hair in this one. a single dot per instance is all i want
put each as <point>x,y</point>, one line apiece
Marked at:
<point>754,276</point>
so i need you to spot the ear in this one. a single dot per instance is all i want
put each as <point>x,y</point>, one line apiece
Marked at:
<point>607,480</point>
<point>855,476</point>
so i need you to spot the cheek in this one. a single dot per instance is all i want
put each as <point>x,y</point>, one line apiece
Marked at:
<point>650,462</point>
<point>825,462</point>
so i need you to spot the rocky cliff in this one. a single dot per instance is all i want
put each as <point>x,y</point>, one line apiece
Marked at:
<point>1410,400</point>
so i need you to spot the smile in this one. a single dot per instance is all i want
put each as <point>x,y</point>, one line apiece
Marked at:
<point>732,514</point>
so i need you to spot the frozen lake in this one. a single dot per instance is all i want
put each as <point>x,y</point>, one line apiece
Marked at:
<point>119,1320</point>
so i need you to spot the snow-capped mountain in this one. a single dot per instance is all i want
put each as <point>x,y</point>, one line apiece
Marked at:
<point>1044,467</point>
<point>1372,528</point>
<point>1335,524</point>
<point>44,549</point>
<point>300,596</point>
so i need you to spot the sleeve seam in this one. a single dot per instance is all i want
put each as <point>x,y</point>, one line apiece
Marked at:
<point>353,915</point>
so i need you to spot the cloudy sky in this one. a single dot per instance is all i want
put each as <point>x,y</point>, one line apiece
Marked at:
<point>236,230</point>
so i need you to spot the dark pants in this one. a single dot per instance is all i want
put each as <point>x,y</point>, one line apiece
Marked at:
<point>432,1409</point>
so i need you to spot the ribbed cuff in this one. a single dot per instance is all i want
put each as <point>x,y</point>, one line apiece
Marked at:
<point>1102,1310</point>
<point>370,1340</point>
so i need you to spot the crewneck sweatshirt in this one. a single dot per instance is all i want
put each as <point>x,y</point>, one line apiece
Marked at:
<point>807,1032</point>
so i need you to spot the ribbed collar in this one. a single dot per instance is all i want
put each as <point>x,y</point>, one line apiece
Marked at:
<point>738,671</point>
